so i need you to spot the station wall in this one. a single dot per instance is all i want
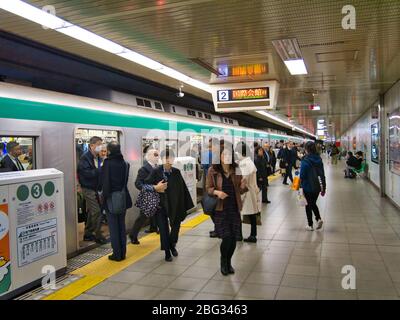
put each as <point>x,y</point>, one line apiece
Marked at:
<point>359,137</point>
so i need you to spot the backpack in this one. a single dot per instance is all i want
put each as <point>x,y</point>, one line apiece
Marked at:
<point>316,178</point>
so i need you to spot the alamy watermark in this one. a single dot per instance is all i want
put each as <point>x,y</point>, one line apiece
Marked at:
<point>349,20</point>
<point>349,280</point>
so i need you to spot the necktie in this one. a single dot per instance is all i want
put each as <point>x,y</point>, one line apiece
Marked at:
<point>19,165</point>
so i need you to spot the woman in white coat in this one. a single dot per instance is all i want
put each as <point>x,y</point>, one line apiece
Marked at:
<point>252,198</point>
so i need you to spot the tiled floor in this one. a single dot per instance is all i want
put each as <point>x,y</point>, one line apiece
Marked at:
<point>361,229</point>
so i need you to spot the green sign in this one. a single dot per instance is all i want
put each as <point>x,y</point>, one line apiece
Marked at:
<point>22,192</point>
<point>37,190</point>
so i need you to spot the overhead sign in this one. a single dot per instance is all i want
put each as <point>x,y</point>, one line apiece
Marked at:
<point>233,97</point>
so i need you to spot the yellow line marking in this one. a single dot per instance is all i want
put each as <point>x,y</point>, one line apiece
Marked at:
<point>103,268</point>
<point>76,288</point>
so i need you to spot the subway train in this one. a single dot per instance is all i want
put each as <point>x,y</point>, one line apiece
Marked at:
<point>55,128</point>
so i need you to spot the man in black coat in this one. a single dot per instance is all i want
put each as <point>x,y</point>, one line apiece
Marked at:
<point>151,162</point>
<point>88,175</point>
<point>262,173</point>
<point>10,161</point>
<point>289,157</point>
<point>175,201</point>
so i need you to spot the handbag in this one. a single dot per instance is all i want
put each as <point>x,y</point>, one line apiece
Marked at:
<point>301,198</point>
<point>246,219</point>
<point>148,202</point>
<point>116,203</point>
<point>209,203</point>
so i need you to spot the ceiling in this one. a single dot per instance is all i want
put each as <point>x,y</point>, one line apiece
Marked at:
<point>347,69</point>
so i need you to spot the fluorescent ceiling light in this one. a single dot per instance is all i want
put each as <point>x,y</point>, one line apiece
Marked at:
<point>91,38</point>
<point>316,108</point>
<point>289,51</point>
<point>321,121</point>
<point>32,13</point>
<point>285,123</point>
<point>48,20</point>
<point>296,67</point>
<point>141,59</point>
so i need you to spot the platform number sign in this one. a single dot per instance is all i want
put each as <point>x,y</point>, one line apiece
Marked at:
<point>223,95</point>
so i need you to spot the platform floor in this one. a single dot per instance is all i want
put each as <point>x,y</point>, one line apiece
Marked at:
<point>288,262</point>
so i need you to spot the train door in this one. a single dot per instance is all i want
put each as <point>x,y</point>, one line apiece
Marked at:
<point>27,145</point>
<point>82,137</point>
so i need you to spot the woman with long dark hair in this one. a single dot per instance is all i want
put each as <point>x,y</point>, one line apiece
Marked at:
<point>225,182</point>
<point>313,182</point>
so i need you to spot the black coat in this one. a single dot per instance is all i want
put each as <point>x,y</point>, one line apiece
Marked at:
<point>88,174</point>
<point>176,200</point>
<point>7,164</point>
<point>289,156</point>
<point>113,176</point>
<point>262,171</point>
<point>143,173</point>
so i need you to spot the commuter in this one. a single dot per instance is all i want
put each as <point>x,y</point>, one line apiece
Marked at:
<point>281,152</point>
<point>208,158</point>
<point>272,156</point>
<point>251,199</point>
<point>312,177</point>
<point>151,162</point>
<point>175,201</point>
<point>10,161</point>
<point>268,160</point>
<point>334,154</point>
<point>114,180</point>
<point>224,182</point>
<point>262,174</point>
<point>88,175</point>
<point>102,155</point>
<point>352,163</point>
<point>289,157</point>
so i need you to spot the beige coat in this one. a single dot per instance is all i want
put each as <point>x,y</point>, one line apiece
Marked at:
<point>252,199</point>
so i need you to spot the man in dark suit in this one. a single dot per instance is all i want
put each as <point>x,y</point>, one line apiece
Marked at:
<point>150,163</point>
<point>88,175</point>
<point>268,160</point>
<point>290,157</point>
<point>175,201</point>
<point>10,161</point>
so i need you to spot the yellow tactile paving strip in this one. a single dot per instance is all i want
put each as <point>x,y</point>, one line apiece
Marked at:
<point>102,269</point>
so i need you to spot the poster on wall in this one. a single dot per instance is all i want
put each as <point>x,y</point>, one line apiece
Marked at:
<point>5,257</point>
<point>375,142</point>
<point>394,141</point>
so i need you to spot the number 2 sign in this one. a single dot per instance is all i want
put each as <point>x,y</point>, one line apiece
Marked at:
<point>223,95</point>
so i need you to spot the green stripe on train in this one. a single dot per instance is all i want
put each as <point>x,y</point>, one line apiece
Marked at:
<point>32,110</point>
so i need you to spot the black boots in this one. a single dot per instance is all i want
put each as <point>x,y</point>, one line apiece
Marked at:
<point>252,239</point>
<point>224,266</point>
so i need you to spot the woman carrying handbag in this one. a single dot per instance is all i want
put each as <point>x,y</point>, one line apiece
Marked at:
<point>227,186</point>
<point>116,198</point>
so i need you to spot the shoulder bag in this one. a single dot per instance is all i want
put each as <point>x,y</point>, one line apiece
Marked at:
<point>116,203</point>
<point>208,202</point>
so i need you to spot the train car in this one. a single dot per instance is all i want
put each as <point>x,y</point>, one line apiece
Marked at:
<point>55,129</point>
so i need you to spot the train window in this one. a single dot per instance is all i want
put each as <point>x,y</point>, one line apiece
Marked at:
<point>173,109</point>
<point>207,116</point>
<point>230,121</point>
<point>200,114</point>
<point>225,120</point>
<point>140,102</point>
<point>26,155</point>
<point>191,113</point>
<point>147,103</point>
<point>158,105</point>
